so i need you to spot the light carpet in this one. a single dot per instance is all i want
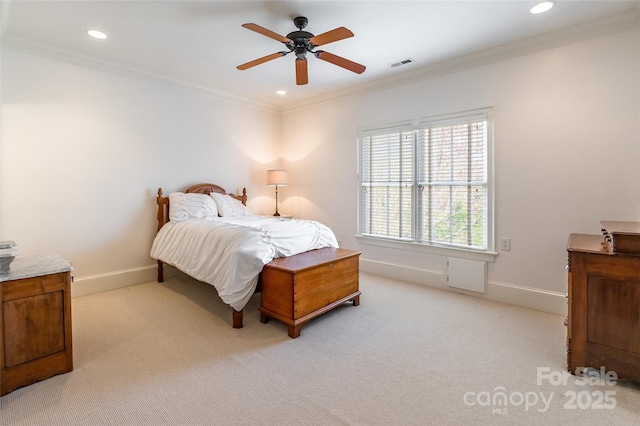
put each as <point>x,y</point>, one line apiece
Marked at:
<point>156,354</point>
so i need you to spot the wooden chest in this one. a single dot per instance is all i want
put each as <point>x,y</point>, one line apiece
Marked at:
<point>298,288</point>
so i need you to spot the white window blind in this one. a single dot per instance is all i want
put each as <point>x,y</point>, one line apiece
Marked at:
<point>387,191</point>
<point>427,182</point>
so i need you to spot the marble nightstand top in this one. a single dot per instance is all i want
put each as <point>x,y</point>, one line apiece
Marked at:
<point>34,266</point>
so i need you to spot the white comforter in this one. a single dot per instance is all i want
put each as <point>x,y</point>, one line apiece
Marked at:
<point>229,253</point>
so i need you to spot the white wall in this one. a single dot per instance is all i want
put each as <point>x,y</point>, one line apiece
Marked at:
<point>84,152</point>
<point>567,150</point>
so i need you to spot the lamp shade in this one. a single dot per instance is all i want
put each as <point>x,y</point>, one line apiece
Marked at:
<point>276,177</point>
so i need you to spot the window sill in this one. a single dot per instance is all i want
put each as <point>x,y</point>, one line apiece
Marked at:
<point>485,256</point>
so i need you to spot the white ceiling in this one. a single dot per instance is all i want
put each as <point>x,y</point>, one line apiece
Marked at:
<point>202,42</point>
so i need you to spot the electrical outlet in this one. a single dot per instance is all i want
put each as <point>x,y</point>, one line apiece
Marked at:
<point>505,244</point>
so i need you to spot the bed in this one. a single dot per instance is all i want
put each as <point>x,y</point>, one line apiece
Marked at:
<point>210,235</point>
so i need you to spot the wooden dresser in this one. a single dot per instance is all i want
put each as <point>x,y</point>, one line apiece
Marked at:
<point>35,321</point>
<point>603,325</point>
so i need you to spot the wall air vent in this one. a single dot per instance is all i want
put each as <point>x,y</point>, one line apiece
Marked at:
<point>402,62</point>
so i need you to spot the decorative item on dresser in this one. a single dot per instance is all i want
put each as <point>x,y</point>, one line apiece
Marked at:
<point>603,325</point>
<point>211,236</point>
<point>35,321</point>
<point>8,252</point>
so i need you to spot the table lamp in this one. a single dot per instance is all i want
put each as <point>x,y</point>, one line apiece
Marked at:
<point>275,178</point>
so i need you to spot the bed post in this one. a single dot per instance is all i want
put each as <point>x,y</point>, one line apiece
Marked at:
<point>244,196</point>
<point>160,272</point>
<point>237,318</point>
<point>161,216</point>
<point>162,219</point>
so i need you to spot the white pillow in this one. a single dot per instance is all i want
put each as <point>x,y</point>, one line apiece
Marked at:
<point>229,206</point>
<point>184,206</point>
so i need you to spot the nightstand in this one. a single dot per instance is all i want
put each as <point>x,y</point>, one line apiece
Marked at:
<point>35,321</point>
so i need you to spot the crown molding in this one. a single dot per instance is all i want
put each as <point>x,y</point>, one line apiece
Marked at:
<point>38,49</point>
<point>591,30</point>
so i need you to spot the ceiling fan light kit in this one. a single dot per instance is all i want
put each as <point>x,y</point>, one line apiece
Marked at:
<point>302,42</point>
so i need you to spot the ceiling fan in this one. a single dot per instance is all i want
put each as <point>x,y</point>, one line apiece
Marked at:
<point>302,42</point>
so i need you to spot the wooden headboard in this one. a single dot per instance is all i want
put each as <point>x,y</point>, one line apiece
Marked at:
<point>201,188</point>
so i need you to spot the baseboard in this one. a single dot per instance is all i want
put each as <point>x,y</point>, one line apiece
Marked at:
<point>91,284</point>
<point>552,302</point>
<point>527,297</point>
<point>533,298</point>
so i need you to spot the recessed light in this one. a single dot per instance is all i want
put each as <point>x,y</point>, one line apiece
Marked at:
<point>281,92</point>
<point>96,34</point>
<point>542,7</point>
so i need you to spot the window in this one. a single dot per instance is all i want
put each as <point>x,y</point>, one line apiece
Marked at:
<point>429,182</point>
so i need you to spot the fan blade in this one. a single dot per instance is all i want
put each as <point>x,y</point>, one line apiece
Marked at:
<point>261,60</point>
<point>340,61</point>
<point>302,77</point>
<point>262,30</point>
<point>331,36</point>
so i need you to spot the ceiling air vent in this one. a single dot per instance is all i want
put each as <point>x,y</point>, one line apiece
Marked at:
<point>402,62</point>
